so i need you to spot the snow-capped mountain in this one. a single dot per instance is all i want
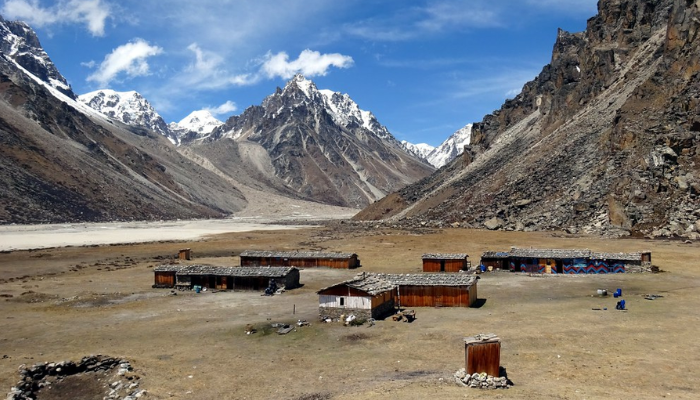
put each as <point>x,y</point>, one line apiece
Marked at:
<point>450,148</point>
<point>20,43</point>
<point>200,122</point>
<point>339,106</point>
<point>322,145</point>
<point>128,107</point>
<point>420,150</point>
<point>446,152</point>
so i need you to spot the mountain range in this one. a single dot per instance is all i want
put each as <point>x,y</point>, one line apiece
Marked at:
<point>108,155</point>
<point>605,139</point>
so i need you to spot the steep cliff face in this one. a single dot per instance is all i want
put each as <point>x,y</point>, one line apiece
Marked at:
<point>603,140</point>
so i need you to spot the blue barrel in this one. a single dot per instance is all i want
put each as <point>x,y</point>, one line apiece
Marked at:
<point>622,304</point>
<point>197,289</point>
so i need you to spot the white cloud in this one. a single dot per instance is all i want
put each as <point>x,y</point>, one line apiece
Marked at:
<point>309,63</point>
<point>129,58</point>
<point>225,108</point>
<point>92,13</point>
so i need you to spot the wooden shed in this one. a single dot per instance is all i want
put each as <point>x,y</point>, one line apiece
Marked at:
<point>365,296</point>
<point>299,259</point>
<point>433,290</point>
<point>184,254</point>
<point>225,278</point>
<point>495,260</point>
<point>445,262</point>
<point>165,275</point>
<point>482,353</point>
<point>621,262</point>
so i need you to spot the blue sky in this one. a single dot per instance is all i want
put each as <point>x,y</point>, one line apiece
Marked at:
<point>425,68</point>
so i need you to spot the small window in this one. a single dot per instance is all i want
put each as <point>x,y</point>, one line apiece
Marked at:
<point>342,301</point>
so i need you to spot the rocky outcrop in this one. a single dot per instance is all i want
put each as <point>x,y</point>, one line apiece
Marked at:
<point>603,140</point>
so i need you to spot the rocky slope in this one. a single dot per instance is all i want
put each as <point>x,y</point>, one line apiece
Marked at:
<point>605,139</point>
<point>315,144</point>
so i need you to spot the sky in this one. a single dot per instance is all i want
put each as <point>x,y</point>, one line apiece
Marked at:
<point>424,68</point>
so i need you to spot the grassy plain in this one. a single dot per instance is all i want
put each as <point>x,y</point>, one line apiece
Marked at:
<point>65,303</point>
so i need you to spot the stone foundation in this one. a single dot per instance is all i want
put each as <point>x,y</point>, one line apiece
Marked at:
<point>121,383</point>
<point>481,381</point>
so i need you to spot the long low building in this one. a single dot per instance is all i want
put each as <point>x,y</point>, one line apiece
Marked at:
<point>224,278</point>
<point>567,261</point>
<point>433,290</point>
<point>374,295</point>
<point>300,259</point>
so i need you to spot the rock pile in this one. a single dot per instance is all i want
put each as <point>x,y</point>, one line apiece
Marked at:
<point>115,378</point>
<point>482,380</point>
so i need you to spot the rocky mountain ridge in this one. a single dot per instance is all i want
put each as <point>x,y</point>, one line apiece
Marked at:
<point>603,140</point>
<point>319,144</point>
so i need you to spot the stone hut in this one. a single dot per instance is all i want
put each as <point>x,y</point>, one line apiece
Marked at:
<point>433,290</point>
<point>365,296</point>
<point>299,259</point>
<point>224,278</point>
<point>437,262</point>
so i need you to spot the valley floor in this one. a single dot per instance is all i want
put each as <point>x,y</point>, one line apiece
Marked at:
<point>64,303</point>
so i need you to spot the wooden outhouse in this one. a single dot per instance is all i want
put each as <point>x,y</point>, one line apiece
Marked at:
<point>482,353</point>
<point>184,254</point>
<point>226,278</point>
<point>365,296</point>
<point>299,259</point>
<point>445,262</point>
<point>433,290</point>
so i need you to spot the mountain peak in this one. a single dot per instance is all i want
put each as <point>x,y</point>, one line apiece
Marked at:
<point>307,86</point>
<point>200,121</point>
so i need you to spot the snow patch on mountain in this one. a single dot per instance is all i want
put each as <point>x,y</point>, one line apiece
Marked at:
<point>201,122</point>
<point>20,43</point>
<point>128,107</point>
<point>450,148</point>
<point>420,150</point>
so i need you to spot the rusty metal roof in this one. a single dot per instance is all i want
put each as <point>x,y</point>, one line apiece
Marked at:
<point>183,270</point>
<point>445,256</point>
<point>296,254</point>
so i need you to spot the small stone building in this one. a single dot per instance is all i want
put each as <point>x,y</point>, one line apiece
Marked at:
<point>437,262</point>
<point>433,290</point>
<point>365,296</point>
<point>224,278</point>
<point>299,259</point>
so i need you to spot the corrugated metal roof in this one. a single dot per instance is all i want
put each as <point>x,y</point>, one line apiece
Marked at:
<point>368,283</point>
<point>445,256</point>
<point>442,279</point>
<point>549,253</point>
<point>295,254</point>
<point>269,272</point>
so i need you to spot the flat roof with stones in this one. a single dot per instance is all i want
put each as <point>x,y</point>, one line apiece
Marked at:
<point>273,272</point>
<point>445,256</point>
<point>296,254</point>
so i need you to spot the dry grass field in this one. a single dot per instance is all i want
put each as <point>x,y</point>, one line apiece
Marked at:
<point>65,303</point>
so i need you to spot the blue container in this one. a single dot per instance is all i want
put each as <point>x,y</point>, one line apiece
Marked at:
<point>197,289</point>
<point>618,293</point>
